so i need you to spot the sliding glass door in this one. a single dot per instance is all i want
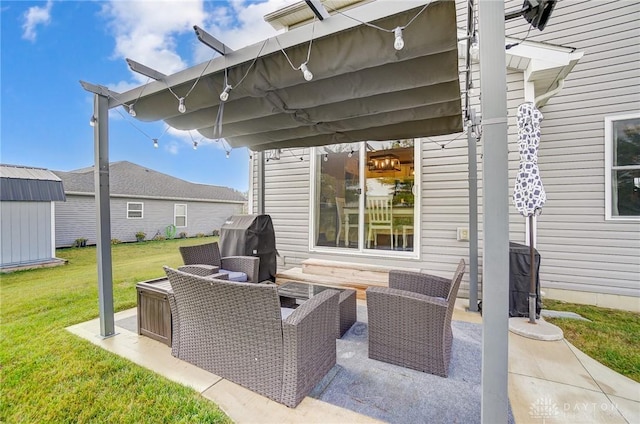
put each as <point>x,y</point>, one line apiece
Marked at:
<point>365,196</point>
<point>337,182</point>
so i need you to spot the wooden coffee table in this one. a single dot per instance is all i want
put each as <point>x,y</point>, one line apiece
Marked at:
<point>294,293</point>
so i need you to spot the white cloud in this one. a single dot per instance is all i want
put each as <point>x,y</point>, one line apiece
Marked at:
<point>33,17</point>
<point>188,137</point>
<point>238,24</point>
<point>172,147</point>
<point>146,31</point>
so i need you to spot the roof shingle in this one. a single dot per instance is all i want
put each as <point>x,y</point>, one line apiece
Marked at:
<point>126,178</point>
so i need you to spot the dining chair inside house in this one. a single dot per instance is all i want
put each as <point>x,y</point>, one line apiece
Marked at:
<point>380,213</point>
<point>340,202</point>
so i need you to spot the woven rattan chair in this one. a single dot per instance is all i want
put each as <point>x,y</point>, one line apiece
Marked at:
<point>209,255</point>
<point>235,331</point>
<point>410,321</point>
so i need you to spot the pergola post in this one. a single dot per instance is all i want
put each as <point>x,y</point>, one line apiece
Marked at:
<point>473,214</point>
<point>103,214</point>
<point>495,288</point>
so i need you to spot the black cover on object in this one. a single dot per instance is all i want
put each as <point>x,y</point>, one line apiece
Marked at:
<point>520,281</point>
<point>251,235</point>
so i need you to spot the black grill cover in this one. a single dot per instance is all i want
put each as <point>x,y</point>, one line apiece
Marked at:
<point>519,280</point>
<point>251,235</point>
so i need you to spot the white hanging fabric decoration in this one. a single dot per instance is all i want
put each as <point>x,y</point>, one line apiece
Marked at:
<point>529,195</point>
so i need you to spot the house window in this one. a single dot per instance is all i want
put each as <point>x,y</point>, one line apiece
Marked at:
<point>622,167</point>
<point>180,215</point>
<point>365,196</point>
<point>135,210</point>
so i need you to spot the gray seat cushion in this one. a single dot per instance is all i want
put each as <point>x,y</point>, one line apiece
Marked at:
<point>236,276</point>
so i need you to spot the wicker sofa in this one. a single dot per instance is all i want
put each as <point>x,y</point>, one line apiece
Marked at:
<point>410,321</point>
<point>207,257</point>
<point>235,330</point>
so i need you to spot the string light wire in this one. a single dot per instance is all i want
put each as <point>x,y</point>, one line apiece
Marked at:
<point>228,87</point>
<point>313,25</point>
<point>379,27</point>
<point>140,130</point>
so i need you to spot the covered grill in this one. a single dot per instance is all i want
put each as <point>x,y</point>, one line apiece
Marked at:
<point>251,235</point>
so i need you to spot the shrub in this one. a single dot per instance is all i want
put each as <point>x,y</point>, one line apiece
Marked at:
<point>215,233</point>
<point>80,242</point>
<point>182,234</point>
<point>140,235</point>
<point>200,235</point>
<point>158,237</point>
<point>115,241</point>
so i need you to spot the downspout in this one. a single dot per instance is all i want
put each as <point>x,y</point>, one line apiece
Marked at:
<point>261,182</point>
<point>549,94</point>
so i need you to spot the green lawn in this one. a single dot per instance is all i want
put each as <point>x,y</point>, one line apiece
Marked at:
<point>612,337</point>
<point>50,375</point>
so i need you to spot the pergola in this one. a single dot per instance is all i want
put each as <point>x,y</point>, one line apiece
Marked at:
<point>361,88</point>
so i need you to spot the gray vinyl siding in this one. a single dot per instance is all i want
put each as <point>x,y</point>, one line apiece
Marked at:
<point>287,200</point>
<point>77,218</point>
<point>580,249</point>
<point>25,232</point>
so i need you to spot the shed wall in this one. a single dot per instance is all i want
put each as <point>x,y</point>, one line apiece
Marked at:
<point>25,232</point>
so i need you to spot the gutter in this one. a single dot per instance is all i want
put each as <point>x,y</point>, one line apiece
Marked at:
<point>182,199</point>
<point>549,94</point>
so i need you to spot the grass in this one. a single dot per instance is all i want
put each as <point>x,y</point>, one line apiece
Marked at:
<point>611,338</point>
<point>50,375</point>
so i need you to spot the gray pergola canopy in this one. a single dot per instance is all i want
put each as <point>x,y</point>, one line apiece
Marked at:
<point>362,88</point>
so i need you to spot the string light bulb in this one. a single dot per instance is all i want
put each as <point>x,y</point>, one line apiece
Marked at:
<point>181,107</point>
<point>224,96</point>
<point>195,145</point>
<point>350,153</point>
<point>326,157</point>
<point>398,44</point>
<point>132,111</point>
<point>155,143</point>
<point>228,154</point>
<point>306,72</point>
<point>92,121</point>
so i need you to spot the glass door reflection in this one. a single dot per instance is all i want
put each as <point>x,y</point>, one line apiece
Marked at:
<point>337,190</point>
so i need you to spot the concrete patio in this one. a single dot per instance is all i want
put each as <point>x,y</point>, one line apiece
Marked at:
<point>551,382</point>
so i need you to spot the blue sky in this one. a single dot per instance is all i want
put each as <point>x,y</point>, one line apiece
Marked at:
<point>48,46</point>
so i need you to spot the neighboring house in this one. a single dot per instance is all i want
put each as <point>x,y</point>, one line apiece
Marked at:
<point>587,63</point>
<point>27,208</point>
<point>142,200</point>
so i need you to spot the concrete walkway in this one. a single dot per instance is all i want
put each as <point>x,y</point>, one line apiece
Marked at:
<point>549,382</point>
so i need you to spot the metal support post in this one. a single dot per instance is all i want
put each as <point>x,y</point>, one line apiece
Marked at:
<point>495,282</point>
<point>473,215</point>
<point>103,214</point>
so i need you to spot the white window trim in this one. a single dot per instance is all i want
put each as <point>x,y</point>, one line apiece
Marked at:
<point>175,215</point>
<point>608,164</point>
<point>363,252</point>
<point>134,210</point>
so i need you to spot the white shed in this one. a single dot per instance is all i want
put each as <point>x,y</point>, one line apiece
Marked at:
<point>27,226</point>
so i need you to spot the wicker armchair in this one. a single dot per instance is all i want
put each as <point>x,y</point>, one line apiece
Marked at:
<point>235,330</point>
<point>208,255</point>
<point>410,321</point>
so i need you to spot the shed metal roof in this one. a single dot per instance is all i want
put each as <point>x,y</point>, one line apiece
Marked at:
<point>23,183</point>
